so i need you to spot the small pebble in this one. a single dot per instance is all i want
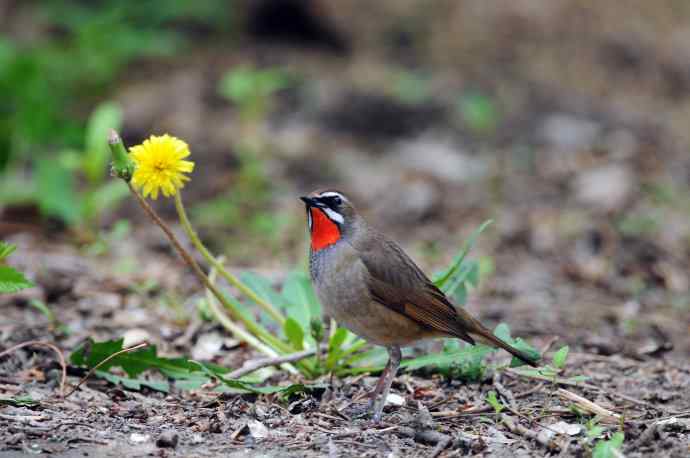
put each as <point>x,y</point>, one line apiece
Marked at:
<point>138,438</point>
<point>395,400</point>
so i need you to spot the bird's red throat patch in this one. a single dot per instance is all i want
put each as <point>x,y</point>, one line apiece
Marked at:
<point>324,232</point>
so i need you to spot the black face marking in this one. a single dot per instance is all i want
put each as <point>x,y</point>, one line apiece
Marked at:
<point>330,203</point>
<point>331,199</point>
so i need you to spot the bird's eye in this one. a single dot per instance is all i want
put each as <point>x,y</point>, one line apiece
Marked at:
<point>336,200</point>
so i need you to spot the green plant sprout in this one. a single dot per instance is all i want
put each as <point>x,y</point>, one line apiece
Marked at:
<point>594,430</point>
<point>55,324</point>
<point>493,401</point>
<point>479,112</point>
<point>11,280</point>
<point>560,357</point>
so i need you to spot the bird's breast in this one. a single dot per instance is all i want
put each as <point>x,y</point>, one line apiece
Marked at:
<point>338,276</point>
<point>340,280</point>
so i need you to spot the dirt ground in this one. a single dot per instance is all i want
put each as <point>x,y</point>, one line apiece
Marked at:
<point>586,178</point>
<point>644,384</point>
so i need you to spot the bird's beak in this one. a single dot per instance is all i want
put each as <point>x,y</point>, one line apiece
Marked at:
<point>308,201</point>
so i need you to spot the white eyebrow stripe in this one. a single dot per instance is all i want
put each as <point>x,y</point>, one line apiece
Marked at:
<point>333,215</point>
<point>332,194</point>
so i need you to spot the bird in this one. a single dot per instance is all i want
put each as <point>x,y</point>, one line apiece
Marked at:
<point>368,284</point>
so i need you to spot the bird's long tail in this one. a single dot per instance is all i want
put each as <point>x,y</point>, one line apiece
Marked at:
<point>483,335</point>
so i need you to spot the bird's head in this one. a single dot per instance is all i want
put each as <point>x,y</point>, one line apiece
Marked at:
<point>330,216</point>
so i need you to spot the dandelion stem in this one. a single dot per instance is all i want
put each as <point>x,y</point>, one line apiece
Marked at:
<point>252,326</point>
<point>238,330</point>
<point>233,280</point>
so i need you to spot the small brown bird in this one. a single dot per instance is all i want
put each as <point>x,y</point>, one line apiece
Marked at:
<point>367,283</point>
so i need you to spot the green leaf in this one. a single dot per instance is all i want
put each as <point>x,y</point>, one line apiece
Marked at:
<point>262,287</point>
<point>595,431</point>
<point>531,352</point>
<point>6,249</point>
<point>335,346</point>
<point>243,387</point>
<point>188,374</point>
<point>446,359</point>
<point>371,357</point>
<point>106,116</point>
<point>301,300</point>
<point>467,276</point>
<point>472,275</point>
<point>502,331</point>
<point>20,401</point>
<point>493,401</point>
<point>135,384</point>
<point>55,191</point>
<point>294,333</point>
<point>133,362</point>
<point>12,281</point>
<point>43,308</point>
<point>479,112</point>
<point>468,369</point>
<point>608,449</point>
<point>443,279</point>
<point>106,197</point>
<point>550,373</point>
<point>560,357</point>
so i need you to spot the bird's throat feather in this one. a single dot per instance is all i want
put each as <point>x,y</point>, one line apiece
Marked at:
<point>324,232</point>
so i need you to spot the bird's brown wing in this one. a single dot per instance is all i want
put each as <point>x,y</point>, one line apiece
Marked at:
<point>407,290</point>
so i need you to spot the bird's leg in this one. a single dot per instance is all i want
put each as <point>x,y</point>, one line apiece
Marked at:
<point>383,386</point>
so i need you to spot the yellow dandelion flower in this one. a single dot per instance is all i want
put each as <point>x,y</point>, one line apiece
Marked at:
<point>160,165</point>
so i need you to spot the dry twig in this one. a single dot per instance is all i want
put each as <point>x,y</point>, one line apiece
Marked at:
<point>517,428</point>
<point>254,365</point>
<point>589,406</point>
<point>93,369</point>
<point>37,343</point>
<point>587,386</point>
<point>483,408</point>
